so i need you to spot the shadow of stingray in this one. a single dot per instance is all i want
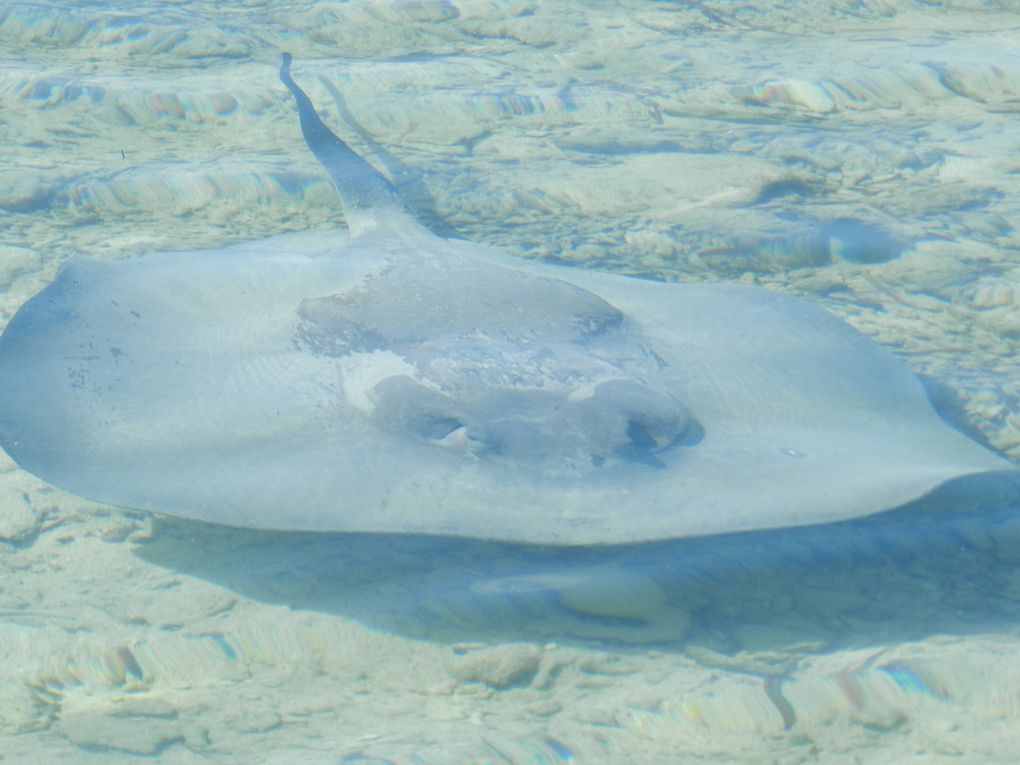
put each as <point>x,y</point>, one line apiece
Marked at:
<point>948,564</point>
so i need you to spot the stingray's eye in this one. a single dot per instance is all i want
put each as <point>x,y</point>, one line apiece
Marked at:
<point>628,419</point>
<point>656,435</point>
<point>642,438</point>
<point>647,437</point>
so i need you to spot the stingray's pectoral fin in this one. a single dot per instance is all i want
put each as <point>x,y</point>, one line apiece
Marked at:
<point>363,190</point>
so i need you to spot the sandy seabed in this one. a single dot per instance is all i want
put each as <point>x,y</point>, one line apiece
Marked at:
<point>681,143</point>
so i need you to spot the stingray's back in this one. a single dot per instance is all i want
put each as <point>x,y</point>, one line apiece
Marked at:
<point>185,383</point>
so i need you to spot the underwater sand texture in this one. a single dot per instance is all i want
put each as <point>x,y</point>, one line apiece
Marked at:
<point>698,143</point>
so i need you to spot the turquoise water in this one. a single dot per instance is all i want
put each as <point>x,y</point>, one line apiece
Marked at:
<point>863,154</point>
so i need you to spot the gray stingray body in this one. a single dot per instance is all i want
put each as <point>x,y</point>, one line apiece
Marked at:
<point>388,380</point>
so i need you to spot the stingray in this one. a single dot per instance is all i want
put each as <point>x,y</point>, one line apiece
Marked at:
<point>384,379</point>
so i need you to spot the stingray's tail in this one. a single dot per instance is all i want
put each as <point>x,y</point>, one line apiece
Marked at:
<point>363,190</point>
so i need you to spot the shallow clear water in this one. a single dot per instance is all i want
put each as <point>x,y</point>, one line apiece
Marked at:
<point>861,153</point>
